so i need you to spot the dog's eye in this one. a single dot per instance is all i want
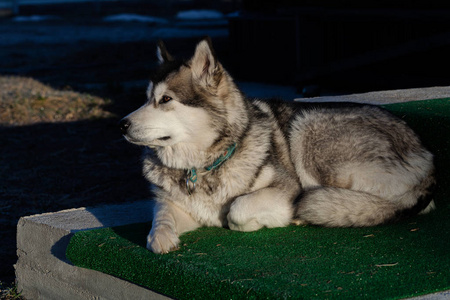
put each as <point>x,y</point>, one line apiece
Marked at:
<point>165,99</point>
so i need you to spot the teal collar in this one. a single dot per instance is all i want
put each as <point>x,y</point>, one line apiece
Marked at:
<point>191,177</point>
<point>226,155</point>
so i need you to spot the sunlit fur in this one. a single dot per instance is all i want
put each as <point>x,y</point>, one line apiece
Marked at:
<point>325,164</point>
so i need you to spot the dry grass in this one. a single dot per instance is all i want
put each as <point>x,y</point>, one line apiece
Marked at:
<point>9,292</point>
<point>25,101</point>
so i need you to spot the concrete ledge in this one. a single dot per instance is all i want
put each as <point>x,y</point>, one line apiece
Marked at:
<point>386,97</point>
<point>43,272</point>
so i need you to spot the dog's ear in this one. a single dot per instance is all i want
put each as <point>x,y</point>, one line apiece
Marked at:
<point>149,90</point>
<point>204,63</point>
<point>162,53</point>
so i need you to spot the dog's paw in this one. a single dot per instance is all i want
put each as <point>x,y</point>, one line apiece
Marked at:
<point>247,225</point>
<point>239,218</point>
<point>253,211</point>
<point>162,240</point>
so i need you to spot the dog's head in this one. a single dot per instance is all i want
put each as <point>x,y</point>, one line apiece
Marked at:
<point>185,102</point>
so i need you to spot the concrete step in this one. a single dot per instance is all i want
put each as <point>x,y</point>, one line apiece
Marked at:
<point>43,272</point>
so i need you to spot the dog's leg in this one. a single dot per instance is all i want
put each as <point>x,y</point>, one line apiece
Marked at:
<point>268,207</point>
<point>169,222</point>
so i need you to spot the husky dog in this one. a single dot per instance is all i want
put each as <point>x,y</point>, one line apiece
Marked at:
<point>217,158</point>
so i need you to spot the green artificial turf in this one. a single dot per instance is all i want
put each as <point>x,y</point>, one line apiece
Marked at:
<point>384,262</point>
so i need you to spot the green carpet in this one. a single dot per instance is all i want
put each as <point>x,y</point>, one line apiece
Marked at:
<point>406,259</point>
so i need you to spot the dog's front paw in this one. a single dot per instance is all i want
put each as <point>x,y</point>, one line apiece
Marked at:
<point>162,240</point>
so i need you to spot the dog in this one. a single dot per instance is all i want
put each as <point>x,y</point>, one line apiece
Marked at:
<point>217,158</point>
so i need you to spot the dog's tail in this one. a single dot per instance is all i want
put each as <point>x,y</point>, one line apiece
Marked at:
<point>339,207</point>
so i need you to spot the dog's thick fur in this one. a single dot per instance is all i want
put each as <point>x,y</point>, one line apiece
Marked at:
<point>337,165</point>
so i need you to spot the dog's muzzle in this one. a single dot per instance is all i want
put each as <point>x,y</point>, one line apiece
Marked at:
<point>124,125</point>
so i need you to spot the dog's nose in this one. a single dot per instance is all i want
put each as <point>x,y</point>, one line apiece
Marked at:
<point>124,124</point>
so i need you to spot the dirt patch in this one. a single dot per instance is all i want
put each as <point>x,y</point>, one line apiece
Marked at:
<point>25,101</point>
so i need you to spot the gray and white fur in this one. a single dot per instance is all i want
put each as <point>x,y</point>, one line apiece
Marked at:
<point>335,165</point>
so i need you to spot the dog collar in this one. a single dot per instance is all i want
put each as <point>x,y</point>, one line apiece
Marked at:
<point>191,175</point>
